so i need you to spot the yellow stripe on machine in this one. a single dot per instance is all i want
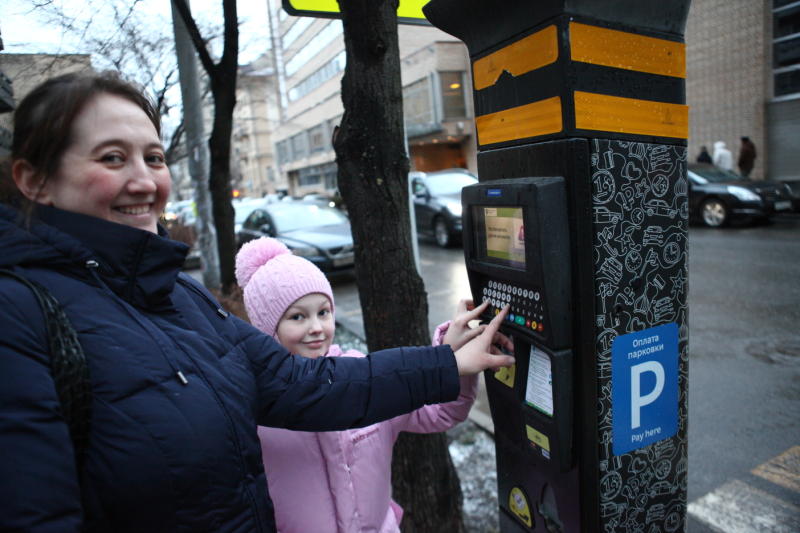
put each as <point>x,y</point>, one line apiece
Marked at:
<point>629,51</point>
<point>601,112</point>
<point>529,120</point>
<point>527,54</point>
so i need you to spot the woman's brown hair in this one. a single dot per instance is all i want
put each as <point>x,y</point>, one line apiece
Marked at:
<point>43,119</point>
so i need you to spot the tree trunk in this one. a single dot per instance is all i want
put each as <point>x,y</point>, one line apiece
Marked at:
<point>219,181</point>
<point>372,175</point>
<point>222,76</point>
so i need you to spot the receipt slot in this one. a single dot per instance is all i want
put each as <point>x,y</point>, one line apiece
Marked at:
<point>516,245</point>
<point>579,222</point>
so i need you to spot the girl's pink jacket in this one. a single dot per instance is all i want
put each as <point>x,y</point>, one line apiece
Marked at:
<point>340,481</point>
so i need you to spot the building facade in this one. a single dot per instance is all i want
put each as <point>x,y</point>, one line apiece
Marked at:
<point>743,79</point>
<point>436,99</point>
<point>254,119</point>
<point>26,71</point>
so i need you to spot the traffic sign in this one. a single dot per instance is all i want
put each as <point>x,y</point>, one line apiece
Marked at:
<point>408,11</point>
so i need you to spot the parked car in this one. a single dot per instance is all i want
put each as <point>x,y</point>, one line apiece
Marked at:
<point>319,233</point>
<point>718,196</point>
<point>437,203</point>
<point>183,212</point>
<point>242,209</point>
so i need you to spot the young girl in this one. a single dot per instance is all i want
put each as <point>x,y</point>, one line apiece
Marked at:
<point>332,481</point>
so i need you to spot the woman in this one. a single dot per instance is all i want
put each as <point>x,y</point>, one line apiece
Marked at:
<point>178,385</point>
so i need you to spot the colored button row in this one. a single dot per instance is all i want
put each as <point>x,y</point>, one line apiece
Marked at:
<point>522,321</point>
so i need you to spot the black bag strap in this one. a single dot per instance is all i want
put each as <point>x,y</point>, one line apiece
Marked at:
<point>67,365</point>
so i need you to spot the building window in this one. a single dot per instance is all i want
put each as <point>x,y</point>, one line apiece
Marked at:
<point>453,103</point>
<point>316,138</point>
<point>324,175</point>
<point>332,124</point>
<point>300,25</point>
<point>299,145</point>
<point>329,174</point>
<point>314,47</point>
<point>418,109</point>
<point>307,177</point>
<point>786,47</point>
<point>284,152</point>
<point>323,74</point>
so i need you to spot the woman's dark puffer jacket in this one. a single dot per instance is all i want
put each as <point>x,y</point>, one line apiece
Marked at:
<point>163,455</point>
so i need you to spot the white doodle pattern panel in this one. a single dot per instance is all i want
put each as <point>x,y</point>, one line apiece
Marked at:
<point>640,223</point>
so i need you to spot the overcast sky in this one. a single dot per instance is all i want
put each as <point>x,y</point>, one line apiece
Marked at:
<point>25,30</point>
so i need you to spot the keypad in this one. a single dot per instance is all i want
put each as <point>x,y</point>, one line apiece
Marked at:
<point>527,306</point>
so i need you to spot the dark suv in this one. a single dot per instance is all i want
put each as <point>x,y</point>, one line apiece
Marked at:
<point>437,203</point>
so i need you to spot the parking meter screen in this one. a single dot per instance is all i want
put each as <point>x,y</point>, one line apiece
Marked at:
<point>503,236</point>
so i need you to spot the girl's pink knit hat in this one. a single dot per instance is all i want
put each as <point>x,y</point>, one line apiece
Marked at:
<point>272,279</point>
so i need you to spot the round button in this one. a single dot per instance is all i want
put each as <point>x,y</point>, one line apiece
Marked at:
<point>533,325</point>
<point>519,320</point>
<point>536,296</point>
<point>540,327</point>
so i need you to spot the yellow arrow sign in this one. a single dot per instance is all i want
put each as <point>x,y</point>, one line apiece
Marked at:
<point>408,11</point>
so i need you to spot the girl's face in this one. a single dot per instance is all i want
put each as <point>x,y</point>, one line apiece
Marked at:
<point>307,326</point>
<point>114,168</point>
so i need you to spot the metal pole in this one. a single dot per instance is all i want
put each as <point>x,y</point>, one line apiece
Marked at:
<point>196,150</point>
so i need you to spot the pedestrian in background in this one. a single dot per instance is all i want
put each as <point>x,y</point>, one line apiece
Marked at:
<point>336,481</point>
<point>704,156</point>
<point>747,157</point>
<point>177,385</point>
<point>722,156</point>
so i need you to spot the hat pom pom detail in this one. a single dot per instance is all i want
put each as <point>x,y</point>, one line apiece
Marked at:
<point>254,254</point>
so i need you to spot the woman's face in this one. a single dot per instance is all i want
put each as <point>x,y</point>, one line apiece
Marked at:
<point>114,168</point>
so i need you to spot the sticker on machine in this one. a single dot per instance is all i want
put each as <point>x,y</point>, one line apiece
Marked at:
<point>644,387</point>
<point>539,389</point>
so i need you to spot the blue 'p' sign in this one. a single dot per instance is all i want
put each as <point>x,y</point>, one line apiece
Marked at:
<point>644,387</point>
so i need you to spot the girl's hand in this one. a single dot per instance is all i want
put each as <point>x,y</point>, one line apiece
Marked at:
<point>483,351</point>
<point>459,333</point>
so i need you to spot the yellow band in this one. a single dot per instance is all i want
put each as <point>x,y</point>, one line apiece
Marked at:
<point>601,112</point>
<point>527,54</point>
<point>619,49</point>
<point>529,120</point>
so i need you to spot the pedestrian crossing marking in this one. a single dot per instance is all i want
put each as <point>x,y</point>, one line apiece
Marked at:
<point>783,470</point>
<point>737,507</point>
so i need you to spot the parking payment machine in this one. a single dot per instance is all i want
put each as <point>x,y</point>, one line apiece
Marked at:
<point>515,248</point>
<point>579,223</point>
<point>517,253</point>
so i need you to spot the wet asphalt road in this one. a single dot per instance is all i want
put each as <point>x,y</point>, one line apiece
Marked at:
<point>744,373</point>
